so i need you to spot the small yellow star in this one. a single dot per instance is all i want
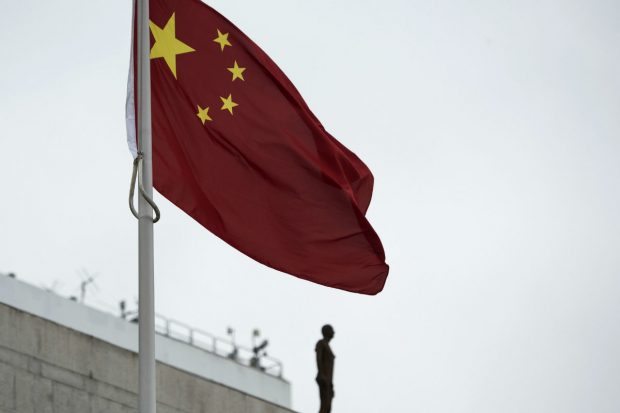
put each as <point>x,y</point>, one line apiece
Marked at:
<point>167,45</point>
<point>228,104</point>
<point>237,72</point>
<point>222,39</point>
<point>203,114</point>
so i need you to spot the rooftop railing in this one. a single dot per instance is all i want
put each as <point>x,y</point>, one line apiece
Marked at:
<point>223,347</point>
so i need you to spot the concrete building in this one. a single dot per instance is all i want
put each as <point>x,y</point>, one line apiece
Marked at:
<point>59,356</point>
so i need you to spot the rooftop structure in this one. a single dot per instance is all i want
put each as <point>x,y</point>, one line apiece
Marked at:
<point>181,347</point>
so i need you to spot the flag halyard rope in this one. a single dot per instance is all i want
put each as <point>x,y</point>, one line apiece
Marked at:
<point>137,171</point>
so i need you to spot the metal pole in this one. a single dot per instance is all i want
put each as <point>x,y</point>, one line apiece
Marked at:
<point>146,392</point>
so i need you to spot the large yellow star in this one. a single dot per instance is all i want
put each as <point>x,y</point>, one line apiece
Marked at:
<point>236,71</point>
<point>167,45</point>
<point>228,104</point>
<point>203,114</point>
<point>222,39</point>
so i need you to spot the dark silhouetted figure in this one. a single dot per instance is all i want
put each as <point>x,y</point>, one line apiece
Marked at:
<point>325,364</point>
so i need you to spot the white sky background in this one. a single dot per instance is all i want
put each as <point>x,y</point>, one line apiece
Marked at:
<point>493,132</point>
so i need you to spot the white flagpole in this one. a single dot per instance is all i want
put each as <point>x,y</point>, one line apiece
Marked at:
<point>146,315</point>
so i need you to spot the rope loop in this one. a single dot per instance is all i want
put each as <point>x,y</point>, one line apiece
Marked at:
<point>137,171</point>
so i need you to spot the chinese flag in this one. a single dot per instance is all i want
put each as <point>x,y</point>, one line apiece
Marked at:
<point>236,147</point>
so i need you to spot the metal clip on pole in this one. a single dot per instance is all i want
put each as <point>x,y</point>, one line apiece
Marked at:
<point>137,170</point>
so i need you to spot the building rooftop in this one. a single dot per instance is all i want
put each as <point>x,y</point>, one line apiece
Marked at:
<point>178,345</point>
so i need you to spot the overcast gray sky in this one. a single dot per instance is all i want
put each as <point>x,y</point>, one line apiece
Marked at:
<point>493,132</point>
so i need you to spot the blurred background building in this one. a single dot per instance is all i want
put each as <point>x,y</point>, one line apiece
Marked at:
<point>60,356</point>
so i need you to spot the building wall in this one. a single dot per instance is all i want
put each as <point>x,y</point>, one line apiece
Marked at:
<point>49,368</point>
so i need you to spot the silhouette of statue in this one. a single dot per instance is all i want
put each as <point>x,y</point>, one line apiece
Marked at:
<point>325,364</point>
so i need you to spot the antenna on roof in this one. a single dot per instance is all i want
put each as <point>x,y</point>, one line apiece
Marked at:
<point>258,350</point>
<point>53,287</point>
<point>87,280</point>
<point>234,354</point>
<point>123,307</point>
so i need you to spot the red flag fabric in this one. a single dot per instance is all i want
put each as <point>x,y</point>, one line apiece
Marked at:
<point>237,148</point>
